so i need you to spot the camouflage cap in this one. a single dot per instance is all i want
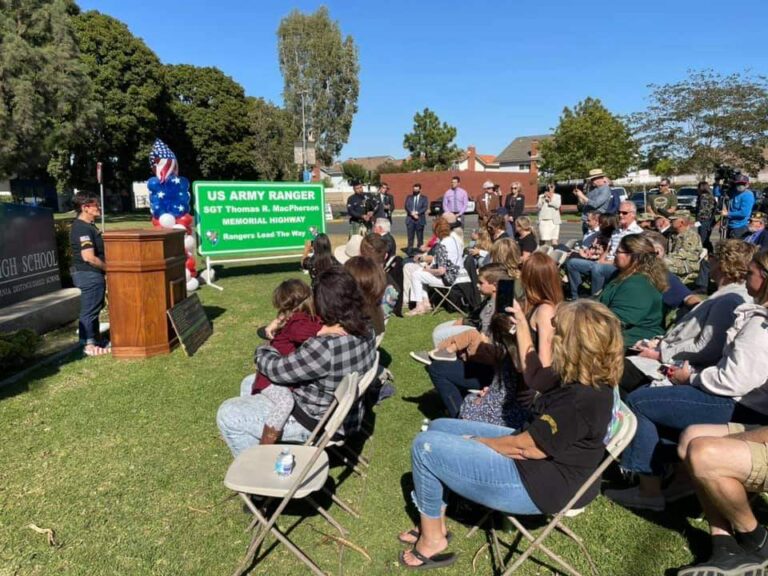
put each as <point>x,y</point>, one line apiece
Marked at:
<point>680,214</point>
<point>758,216</point>
<point>645,217</point>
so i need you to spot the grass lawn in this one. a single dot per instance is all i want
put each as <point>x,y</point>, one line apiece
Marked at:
<point>123,460</point>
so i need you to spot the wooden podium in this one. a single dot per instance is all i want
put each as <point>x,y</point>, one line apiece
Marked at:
<point>145,277</point>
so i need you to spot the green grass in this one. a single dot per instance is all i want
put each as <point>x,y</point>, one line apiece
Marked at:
<point>123,460</point>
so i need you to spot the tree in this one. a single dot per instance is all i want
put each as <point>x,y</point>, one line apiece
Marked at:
<point>431,143</point>
<point>353,171</point>
<point>588,136</point>
<point>128,86</point>
<point>208,126</point>
<point>315,61</point>
<point>274,133</point>
<point>45,93</point>
<point>707,120</point>
<point>387,167</point>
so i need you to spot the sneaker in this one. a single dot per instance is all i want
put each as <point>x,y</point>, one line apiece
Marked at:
<point>422,357</point>
<point>743,564</point>
<point>631,498</point>
<point>573,512</point>
<point>442,354</point>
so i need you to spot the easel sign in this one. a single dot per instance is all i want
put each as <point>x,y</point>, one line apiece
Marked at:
<point>191,324</point>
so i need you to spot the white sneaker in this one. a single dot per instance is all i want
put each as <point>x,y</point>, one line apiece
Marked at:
<point>631,498</point>
<point>422,357</point>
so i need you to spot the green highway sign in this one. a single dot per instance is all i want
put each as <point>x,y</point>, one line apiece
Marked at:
<point>238,217</point>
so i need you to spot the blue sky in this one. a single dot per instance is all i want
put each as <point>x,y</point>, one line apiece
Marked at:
<point>493,69</point>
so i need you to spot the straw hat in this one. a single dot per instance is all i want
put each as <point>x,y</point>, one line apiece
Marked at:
<point>596,173</point>
<point>349,250</point>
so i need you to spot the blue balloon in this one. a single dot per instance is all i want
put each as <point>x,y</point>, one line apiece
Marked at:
<point>153,184</point>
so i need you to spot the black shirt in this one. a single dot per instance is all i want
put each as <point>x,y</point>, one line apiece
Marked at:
<point>528,244</point>
<point>84,236</point>
<point>570,427</point>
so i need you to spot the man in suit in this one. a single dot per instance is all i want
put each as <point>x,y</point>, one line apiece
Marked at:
<point>386,202</point>
<point>416,206</point>
<point>487,204</point>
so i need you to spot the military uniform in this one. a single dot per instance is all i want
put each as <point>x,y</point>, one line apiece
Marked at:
<point>706,205</point>
<point>663,204</point>
<point>684,252</point>
<point>356,209</point>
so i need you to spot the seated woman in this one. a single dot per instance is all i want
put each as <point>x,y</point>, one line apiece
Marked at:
<point>445,268</point>
<point>507,253</point>
<point>700,335</point>
<point>321,259</point>
<point>372,282</point>
<point>733,390</point>
<point>480,247</point>
<point>534,471</point>
<point>634,294</point>
<point>526,239</point>
<point>314,370</point>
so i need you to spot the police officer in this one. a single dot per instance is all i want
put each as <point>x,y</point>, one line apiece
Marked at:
<point>359,211</point>
<point>683,256</point>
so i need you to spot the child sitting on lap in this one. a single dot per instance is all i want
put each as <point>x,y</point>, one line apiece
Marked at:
<point>294,325</point>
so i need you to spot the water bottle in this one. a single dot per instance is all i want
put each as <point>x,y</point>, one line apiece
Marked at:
<point>285,462</point>
<point>425,425</point>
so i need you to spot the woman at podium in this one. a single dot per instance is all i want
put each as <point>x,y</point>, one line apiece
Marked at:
<point>88,269</point>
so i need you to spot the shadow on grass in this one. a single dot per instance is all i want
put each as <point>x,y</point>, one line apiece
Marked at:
<point>235,271</point>
<point>429,404</point>
<point>24,384</point>
<point>213,312</point>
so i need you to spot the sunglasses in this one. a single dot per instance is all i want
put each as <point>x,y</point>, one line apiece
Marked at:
<point>624,212</point>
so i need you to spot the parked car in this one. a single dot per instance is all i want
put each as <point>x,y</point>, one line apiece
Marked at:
<point>436,207</point>
<point>639,199</point>
<point>686,198</point>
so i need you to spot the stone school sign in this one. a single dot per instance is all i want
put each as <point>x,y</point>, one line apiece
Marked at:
<point>239,217</point>
<point>29,264</point>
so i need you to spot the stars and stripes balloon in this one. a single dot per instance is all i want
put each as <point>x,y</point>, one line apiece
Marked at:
<point>169,203</point>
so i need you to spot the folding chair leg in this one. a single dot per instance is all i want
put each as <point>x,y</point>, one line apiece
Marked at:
<point>498,557</point>
<point>576,538</point>
<point>258,538</point>
<point>358,458</point>
<point>357,469</point>
<point>476,527</point>
<point>341,504</point>
<point>536,544</point>
<point>325,514</point>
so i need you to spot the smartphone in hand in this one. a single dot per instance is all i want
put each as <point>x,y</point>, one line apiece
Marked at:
<point>505,295</point>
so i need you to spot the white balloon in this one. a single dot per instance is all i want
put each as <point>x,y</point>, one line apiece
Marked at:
<point>167,220</point>
<point>192,285</point>
<point>189,242</point>
<point>189,274</point>
<point>204,276</point>
<point>179,227</point>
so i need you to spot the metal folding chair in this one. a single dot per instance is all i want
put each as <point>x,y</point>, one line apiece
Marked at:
<point>252,474</point>
<point>559,256</point>
<point>622,429</point>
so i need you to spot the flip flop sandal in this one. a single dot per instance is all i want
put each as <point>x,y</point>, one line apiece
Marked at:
<point>436,561</point>
<point>416,534</point>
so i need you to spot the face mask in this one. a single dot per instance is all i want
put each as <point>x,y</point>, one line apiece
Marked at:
<point>740,188</point>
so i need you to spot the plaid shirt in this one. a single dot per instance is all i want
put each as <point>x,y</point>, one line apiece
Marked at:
<point>315,370</point>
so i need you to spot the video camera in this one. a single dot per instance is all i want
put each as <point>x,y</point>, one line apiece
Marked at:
<point>726,174</point>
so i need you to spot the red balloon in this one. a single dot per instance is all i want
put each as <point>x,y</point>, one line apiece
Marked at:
<point>156,222</point>
<point>191,265</point>
<point>185,220</point>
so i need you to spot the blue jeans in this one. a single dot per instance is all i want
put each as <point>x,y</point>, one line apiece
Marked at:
<point>662,414</point>
<point>598,273</point>
<point>452,379</point>
<point>92,287</point>
<point>446,330</point>
<point>241,420</point>
<point>442,458</point>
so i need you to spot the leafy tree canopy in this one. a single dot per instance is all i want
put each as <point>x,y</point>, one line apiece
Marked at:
<point>431,144</point>
<point>588,136</point>
<point>45,93</point>
<point>274,133</point>
<point>707,120</point>
<point>353,171</point>
<point>317,62</point>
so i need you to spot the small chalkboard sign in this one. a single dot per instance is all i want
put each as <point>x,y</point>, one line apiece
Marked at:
<point>191,324</point>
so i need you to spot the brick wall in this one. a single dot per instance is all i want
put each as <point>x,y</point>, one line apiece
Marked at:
<point>434,184</point>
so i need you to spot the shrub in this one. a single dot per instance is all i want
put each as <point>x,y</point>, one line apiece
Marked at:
<point>64,251</point>
<point>17,347</point>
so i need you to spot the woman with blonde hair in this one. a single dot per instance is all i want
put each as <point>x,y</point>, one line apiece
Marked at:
<point>735,389</point>
<point>634,294</point>
<point>507,253</point>
<point>532,472</point>
<point>526,239</point>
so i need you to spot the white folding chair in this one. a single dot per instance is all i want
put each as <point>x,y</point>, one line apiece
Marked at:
<point>252,473</point>
<point>621,431</point>
<point>559,256</point>
<point>356,462</point>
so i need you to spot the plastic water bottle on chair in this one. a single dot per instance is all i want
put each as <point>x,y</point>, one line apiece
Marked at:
<point>285,463</point>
